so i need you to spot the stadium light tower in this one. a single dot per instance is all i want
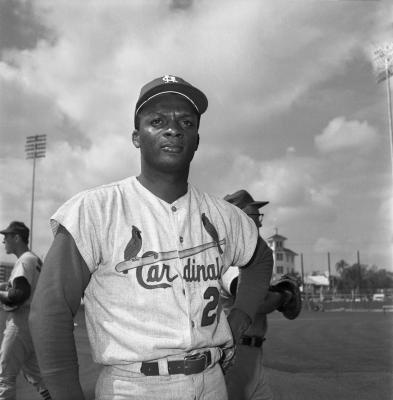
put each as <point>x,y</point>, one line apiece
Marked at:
<point>35,148</point>
<point>383,63</point>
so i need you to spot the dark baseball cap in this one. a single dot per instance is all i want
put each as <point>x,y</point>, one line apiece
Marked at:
<point>17,227</point>
<point>242,198</point>
<point>172,84</point>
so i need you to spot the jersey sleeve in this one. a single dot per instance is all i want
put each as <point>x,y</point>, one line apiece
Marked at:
<point>26,268</point>
<point>81,217</point>
<point>243,235</point>
<point>227,279</point>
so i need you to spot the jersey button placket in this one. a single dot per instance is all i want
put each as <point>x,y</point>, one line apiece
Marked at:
<point>178,215</point>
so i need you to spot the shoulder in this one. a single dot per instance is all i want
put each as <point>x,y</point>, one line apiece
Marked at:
<point>216,203</point>
<point>105,190</point>
<point>28,259</point>
<point>96,195</point>
<point>89,206</point>
<point>28,256</point>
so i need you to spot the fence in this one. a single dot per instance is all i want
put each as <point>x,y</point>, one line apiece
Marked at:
<point>346,302</point>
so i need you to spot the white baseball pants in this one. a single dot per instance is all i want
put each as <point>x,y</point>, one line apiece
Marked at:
<point>17,354</point>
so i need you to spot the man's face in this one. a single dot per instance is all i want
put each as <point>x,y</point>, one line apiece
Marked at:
<point>168,133</point>
<point>253,213</point>
<point>9,241</point>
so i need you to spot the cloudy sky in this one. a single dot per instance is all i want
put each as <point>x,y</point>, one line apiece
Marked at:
<point>295,113</point>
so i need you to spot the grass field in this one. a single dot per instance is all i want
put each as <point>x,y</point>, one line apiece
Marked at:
<point>331,356</point>
<point>319,356</point>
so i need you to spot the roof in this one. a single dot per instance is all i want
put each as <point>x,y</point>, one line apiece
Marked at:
<point>319,280</point>
<point>290,251</point>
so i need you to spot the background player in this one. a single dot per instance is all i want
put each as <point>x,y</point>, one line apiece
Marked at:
<point>17,351</point>
<point>148,253</point>
<point>246,378</point>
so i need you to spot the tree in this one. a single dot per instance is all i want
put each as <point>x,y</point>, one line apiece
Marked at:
<point>362,277</point>
<point>341,266</point>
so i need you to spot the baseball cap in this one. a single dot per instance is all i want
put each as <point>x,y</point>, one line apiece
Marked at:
<point>172,84</point>
<point>242,198</point>
<point>17,227</point>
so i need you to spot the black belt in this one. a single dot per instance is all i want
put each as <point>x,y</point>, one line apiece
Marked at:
<point>193,364</point>
<point>254,341</point>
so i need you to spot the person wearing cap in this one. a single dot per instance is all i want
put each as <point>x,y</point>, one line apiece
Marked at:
<point>17,351</point>
<point>245,376</point>
<point>147,253</point>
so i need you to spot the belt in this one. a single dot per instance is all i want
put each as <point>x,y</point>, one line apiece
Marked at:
<point>254,341</point>
<point>192,364</point>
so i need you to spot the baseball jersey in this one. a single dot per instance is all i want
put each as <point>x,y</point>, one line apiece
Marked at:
<point>28,266</point>
<point>155,268</point>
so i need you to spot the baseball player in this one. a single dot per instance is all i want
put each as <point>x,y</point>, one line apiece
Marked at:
<point>17,351</point>
<point>147,253</point>
<point>245,376</point>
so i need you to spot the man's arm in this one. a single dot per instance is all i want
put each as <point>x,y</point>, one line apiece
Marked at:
<point>254,280</point>
<point>63,279</point>
<point>17,294</point>
<point>252,289</point>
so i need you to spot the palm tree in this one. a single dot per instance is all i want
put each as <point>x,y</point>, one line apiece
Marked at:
<point>341,266</point>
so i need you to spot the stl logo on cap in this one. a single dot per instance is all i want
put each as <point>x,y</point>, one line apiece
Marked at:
<point>169,78</point>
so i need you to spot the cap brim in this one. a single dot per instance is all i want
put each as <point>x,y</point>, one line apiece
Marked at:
<point>258,204</point>
<point>6,231</point>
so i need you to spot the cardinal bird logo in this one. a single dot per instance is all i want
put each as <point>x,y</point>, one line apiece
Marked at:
<point>134,245</point>
<point>211,230</point>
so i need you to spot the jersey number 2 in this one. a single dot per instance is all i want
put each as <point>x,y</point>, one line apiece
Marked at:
<point>213,294</point>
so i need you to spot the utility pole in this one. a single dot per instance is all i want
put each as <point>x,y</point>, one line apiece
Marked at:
<point>330,282</point>
<point>35,148</point>
<point>303,283</point>
<point>359,271</point>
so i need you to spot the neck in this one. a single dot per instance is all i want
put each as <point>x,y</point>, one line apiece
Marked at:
<point>19,251</point>
<point>168,187</point>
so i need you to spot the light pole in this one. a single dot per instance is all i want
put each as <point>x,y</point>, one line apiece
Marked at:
<point>35,148</point>
<point>383,62</point>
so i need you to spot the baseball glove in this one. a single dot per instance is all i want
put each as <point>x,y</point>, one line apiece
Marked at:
<point>292,301</point>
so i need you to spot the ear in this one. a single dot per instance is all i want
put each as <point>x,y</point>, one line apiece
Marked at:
<point>197,143</point>
<point>135,138</point>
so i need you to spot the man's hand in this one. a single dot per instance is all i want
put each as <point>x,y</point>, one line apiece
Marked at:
<point>4,302</point>
<point>289,289</point>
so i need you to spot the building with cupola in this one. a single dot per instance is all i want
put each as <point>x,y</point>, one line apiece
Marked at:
<point>284,258</point>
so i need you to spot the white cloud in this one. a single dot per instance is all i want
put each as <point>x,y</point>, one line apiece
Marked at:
<point>341,134</point>
<point>254,62</point>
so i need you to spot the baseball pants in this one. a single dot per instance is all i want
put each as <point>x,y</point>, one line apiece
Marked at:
<point>246,379</point>
<point>17,354</point>
<point>115,383</point>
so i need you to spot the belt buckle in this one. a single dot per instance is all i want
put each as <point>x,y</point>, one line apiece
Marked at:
<point>194,357</point>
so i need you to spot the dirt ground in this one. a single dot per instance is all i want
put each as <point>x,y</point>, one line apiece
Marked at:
<point>319,356</point>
